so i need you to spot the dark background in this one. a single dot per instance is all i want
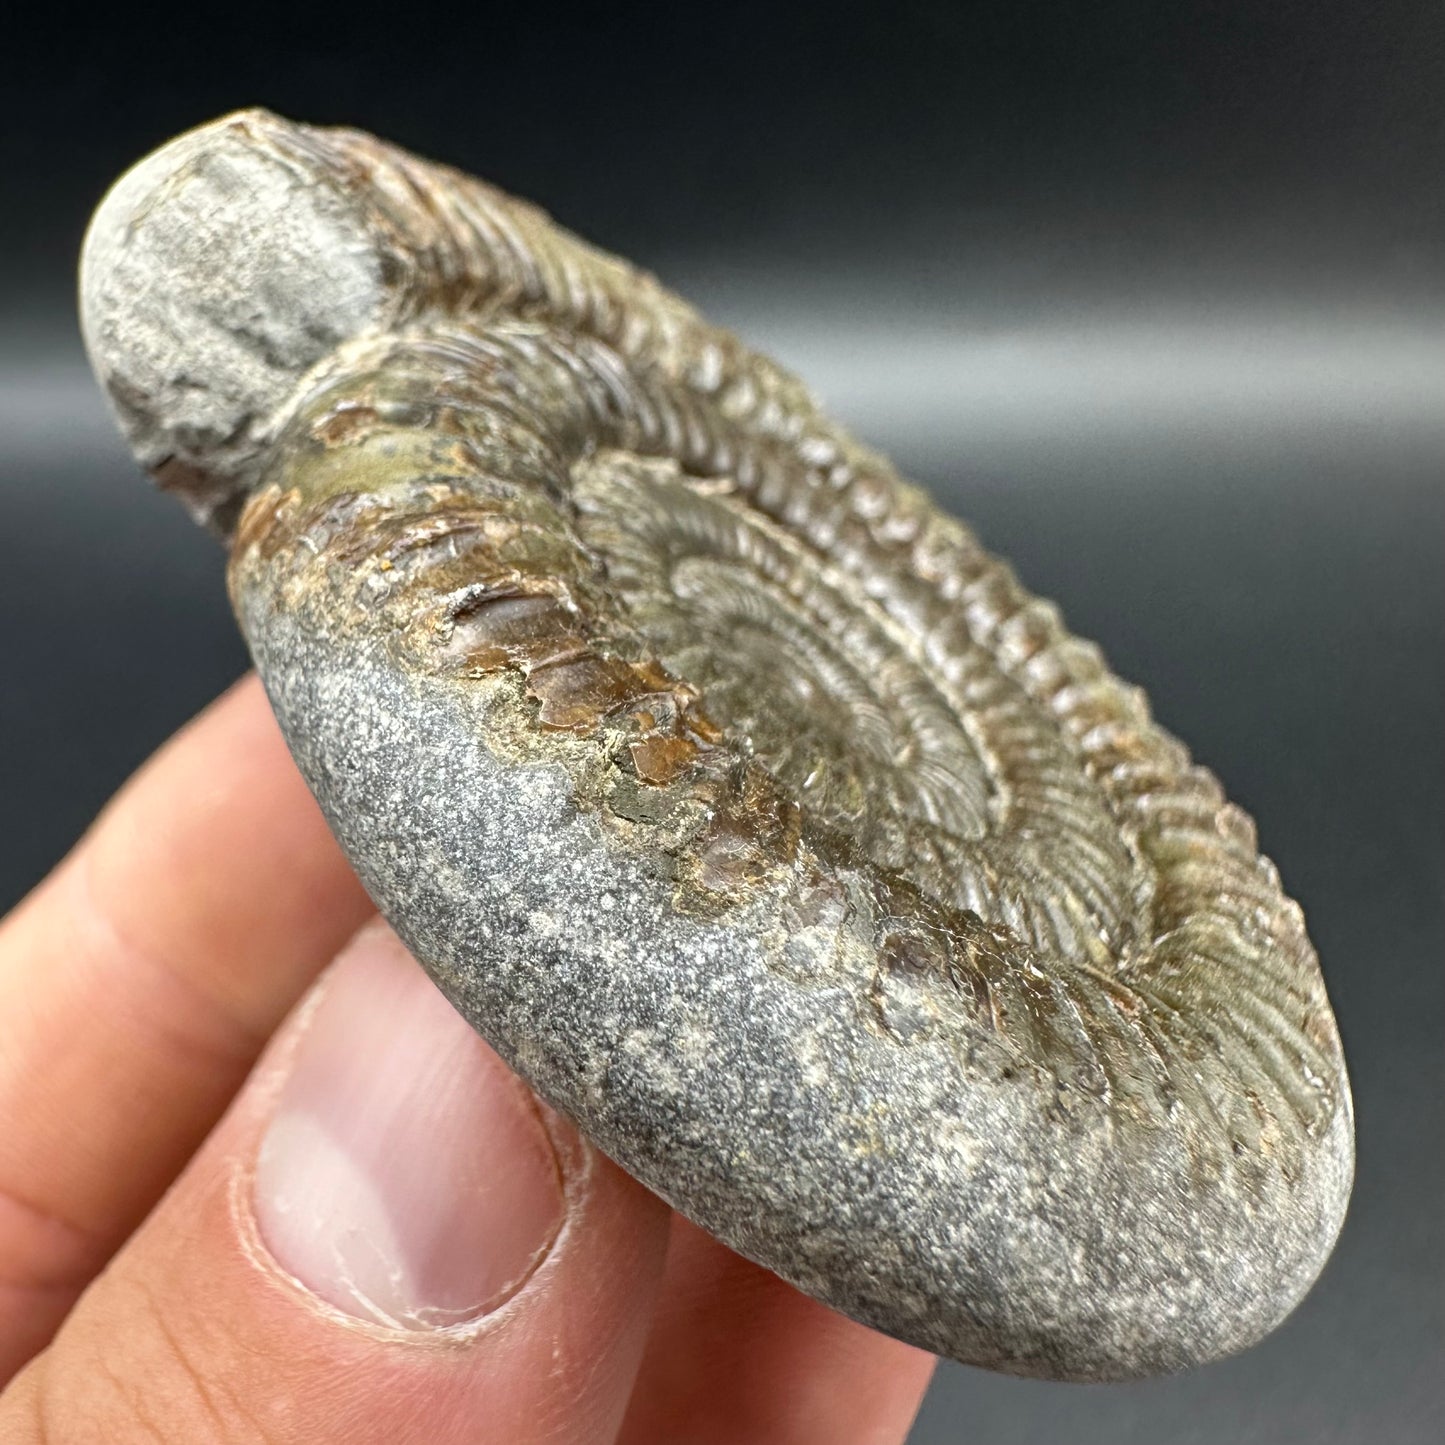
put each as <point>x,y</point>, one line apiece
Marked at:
<point>1152,294</point>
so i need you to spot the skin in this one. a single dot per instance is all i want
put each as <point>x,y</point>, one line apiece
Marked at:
<point>136,1302</point>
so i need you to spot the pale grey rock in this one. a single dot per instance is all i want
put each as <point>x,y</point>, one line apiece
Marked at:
<point>757,816</point>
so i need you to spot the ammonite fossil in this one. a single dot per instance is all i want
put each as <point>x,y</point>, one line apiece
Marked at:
<point>759,817</point>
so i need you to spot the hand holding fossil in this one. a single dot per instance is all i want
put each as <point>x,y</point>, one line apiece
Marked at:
<point>379,1236</point>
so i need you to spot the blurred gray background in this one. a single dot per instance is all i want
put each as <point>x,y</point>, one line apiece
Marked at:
<point>1153,295</point>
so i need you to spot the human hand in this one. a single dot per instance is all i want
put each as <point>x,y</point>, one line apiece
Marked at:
<point>375,1233</point>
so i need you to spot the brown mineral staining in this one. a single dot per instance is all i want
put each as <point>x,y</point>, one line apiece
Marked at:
<point>753,831</point>
<point>510,627</point>
<point>661,760</point>
<point>577,692</point>
<point>261,520</point>
<point>181,477</point>
<point>344,422</point>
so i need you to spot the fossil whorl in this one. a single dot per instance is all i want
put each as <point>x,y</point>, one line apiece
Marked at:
<point>753,811</point>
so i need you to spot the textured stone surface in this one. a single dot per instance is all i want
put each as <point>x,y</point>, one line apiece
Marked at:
<point>751,810</point>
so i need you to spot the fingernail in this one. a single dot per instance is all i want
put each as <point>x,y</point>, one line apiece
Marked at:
<point>405,1176</point>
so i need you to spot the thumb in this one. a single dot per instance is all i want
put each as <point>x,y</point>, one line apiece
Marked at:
<point>386,1239</point>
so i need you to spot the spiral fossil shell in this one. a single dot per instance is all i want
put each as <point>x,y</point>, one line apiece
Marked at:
<point>756,814</point>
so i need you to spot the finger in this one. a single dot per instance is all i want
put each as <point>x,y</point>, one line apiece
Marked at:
<point>138,983</point>
<point>386,1240</point>
<point>735,1355</point>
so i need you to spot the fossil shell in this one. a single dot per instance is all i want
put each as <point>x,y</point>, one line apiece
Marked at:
<point>757,815</point>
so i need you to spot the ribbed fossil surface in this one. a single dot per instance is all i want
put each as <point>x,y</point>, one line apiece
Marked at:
<point>749,807</point>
